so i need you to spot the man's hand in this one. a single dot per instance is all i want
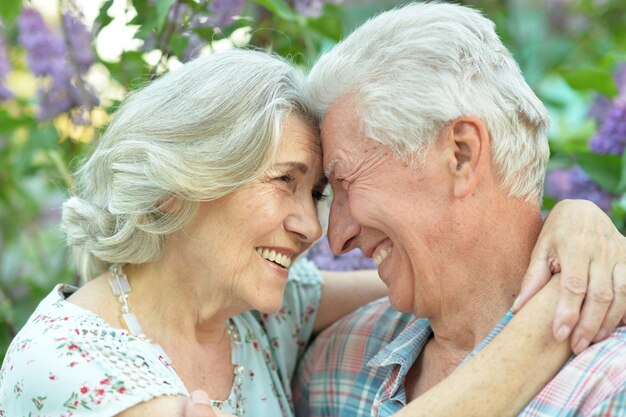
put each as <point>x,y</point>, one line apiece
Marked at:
<point>580,241</point>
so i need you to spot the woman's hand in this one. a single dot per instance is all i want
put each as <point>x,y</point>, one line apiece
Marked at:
<point>198,405</point>
<point>580,241</point>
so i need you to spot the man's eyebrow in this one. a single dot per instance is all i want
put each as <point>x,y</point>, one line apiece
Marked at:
<point>330,167</point>
<point>303,168</point>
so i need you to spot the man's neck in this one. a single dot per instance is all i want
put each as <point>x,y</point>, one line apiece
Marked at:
<point>490,274</point>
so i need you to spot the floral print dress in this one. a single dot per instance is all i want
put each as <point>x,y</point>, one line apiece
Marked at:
<point>67,361</point>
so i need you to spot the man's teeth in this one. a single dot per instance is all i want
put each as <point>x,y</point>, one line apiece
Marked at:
<point>378,259</point>
<point>272,255</point>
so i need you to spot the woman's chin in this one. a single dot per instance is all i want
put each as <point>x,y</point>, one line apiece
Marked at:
<point>268,307</point>
<point>267,299</point>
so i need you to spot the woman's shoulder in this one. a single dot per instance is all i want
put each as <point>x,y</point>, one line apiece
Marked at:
<point>67,359</point>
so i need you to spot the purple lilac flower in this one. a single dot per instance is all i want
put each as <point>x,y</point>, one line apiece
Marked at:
<point>575,183</point>
<point>80,39</point>
<point>224,11</point>
<point>194,45</point>
<point>323,257</point>
<point>43,49</point>
<point>5,68</point>
<point>611,138</point>
<point>63,96</point>
<point>47,56</point>
<point>599,108</point>
<point>611,117</point>
<point>312,8</point>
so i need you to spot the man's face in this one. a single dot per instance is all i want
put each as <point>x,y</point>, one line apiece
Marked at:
<point>392,211</point>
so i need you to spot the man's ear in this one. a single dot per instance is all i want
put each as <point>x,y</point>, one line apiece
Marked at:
<point>471,153</point>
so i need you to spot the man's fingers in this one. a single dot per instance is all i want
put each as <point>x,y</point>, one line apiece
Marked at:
<point>596,305</point>
<point>617,311</point>
<point>619,288</point>
<point>199,405</point>
<point>536,277</point>
<point>574,277</point>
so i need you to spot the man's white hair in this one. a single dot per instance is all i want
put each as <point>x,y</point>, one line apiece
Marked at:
<point>413,69</point>
<point>195,134</point>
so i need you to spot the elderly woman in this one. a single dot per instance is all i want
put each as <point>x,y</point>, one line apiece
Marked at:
<point>189,219</point>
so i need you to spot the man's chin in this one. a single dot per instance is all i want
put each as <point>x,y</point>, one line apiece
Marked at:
<point>401,303</point>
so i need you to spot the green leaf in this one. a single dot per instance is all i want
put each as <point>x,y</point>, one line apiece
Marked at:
<point>618,213</point>
<point>103,17</point>
<point>622,180</point>
<point>130,70</point>
<point>591,79</point>
<point>279,8</point>
<point>9,10</point>
<point>145,11</point>
<point>328,25</point>
<point>178,44</point>
<point>548,203</point>
<point>605,170</point>
<point>162,7</point>
<point>205,32</point>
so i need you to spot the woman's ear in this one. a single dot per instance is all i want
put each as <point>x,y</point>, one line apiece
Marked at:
<point>169,205</point>
<point>471,153</point>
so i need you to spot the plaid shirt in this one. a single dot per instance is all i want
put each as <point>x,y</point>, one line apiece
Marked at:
<point>357,368</point>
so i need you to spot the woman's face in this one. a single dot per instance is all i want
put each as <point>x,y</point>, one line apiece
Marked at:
<point>246,240</point>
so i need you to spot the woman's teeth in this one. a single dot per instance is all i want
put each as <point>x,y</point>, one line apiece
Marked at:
<point>271,255</point>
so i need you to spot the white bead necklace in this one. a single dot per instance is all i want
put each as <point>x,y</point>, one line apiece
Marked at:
<point>120,287</point>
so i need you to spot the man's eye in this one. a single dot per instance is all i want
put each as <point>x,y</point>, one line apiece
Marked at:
<point>343,182</point>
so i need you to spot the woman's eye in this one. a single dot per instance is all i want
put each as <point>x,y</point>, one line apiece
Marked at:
<point>319,196</point>
<point>287,178</point>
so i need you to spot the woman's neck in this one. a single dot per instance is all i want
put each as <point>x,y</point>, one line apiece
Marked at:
<point>173,305</point>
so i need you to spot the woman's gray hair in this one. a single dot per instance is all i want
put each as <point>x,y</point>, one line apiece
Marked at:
<point>195,134</point>
<point>411,70</point>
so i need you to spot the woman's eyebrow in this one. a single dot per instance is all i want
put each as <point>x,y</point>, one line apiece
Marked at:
<point>303,168</point>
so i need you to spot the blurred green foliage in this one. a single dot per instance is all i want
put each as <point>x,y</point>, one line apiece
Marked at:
<point>567,49</point>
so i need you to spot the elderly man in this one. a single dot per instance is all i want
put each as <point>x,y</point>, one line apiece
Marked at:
<point>436,149</point>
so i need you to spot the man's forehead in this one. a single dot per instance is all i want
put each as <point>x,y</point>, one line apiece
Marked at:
<point>340,128</point>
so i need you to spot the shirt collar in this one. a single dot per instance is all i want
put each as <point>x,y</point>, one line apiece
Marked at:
<point>400,354</point>
<point>493,333</point>
<point>406,347</point>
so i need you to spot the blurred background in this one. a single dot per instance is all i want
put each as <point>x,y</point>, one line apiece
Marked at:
<point>66,64</point>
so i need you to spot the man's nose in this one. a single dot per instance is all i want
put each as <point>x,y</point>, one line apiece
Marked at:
<point>342,228</point>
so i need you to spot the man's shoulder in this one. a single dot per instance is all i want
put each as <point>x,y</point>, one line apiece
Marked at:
<point>333,378</point>
<point>606,360</point>
<point>588,382</point>
<point>377,322</point>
